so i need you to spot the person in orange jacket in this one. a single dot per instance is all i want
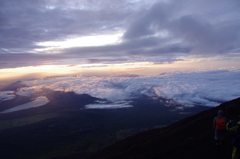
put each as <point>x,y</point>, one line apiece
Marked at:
<point>219,124</point>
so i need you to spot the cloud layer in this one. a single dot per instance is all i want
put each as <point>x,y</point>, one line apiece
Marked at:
<point>208,88</point>
<point>6,95</point>
<point>116,105</point>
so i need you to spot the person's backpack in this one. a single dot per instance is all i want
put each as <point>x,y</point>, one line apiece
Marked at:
<point>236,140</point>
<point>220,124</point>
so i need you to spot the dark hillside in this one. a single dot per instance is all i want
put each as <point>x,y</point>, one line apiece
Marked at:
<point>64,129</point>
<point>191,137</point>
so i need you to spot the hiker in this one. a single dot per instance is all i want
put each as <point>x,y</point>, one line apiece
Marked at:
<point>236,142</point>
<point>219,124</point>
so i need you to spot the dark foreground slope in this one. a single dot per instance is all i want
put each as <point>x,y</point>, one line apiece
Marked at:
<point>189,138</point>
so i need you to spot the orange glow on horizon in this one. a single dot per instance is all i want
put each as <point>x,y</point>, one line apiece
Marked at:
<point>139,68</point>
<point>83,68</point>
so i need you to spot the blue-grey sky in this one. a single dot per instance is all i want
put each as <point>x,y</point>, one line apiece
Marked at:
<point>73,35</point>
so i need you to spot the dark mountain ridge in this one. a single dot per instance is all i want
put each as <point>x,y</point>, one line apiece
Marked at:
<point>13,87</point>
<point>191,137</point>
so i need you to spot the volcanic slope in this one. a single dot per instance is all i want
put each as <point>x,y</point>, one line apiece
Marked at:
<point>189,138</point>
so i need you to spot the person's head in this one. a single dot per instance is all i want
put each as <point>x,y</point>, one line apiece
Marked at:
<point>220,113</point>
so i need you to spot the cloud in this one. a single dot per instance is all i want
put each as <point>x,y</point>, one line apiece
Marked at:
<point>116,60</point>
<point>194,24</point>
<point>99,54</point>
<point>6,95</point>
<point>9,60</point>
<point>209,88</point>
<point>25,23</point>
<point>39,21</point>
<point>109,106</point>
<point>26,91</point>
<point>150,29</point>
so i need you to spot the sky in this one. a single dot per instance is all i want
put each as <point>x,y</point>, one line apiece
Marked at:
<point>91,37</point>
<point>116,39</point>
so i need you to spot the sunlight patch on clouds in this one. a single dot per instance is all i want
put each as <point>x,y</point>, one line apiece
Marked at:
<point>45,69</point>
<point>97,40</point>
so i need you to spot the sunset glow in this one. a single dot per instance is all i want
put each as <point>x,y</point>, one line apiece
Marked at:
<point>141,68</point>
<point>93,38</point>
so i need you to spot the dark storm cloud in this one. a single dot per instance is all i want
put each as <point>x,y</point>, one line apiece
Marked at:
<point>166,50</point>
<point>207,38</point>
<point>214,30</point>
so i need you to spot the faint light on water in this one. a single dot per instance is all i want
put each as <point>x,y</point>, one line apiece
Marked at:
<point>39,101</point>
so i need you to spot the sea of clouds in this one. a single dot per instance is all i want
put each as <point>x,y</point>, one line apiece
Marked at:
<point>208,88</point>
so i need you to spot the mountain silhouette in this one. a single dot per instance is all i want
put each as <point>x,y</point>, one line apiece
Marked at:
<point>13,87</point>
<point>189,138</point>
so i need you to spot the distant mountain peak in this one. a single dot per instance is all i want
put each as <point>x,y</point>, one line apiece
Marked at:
<point>13,86</point>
